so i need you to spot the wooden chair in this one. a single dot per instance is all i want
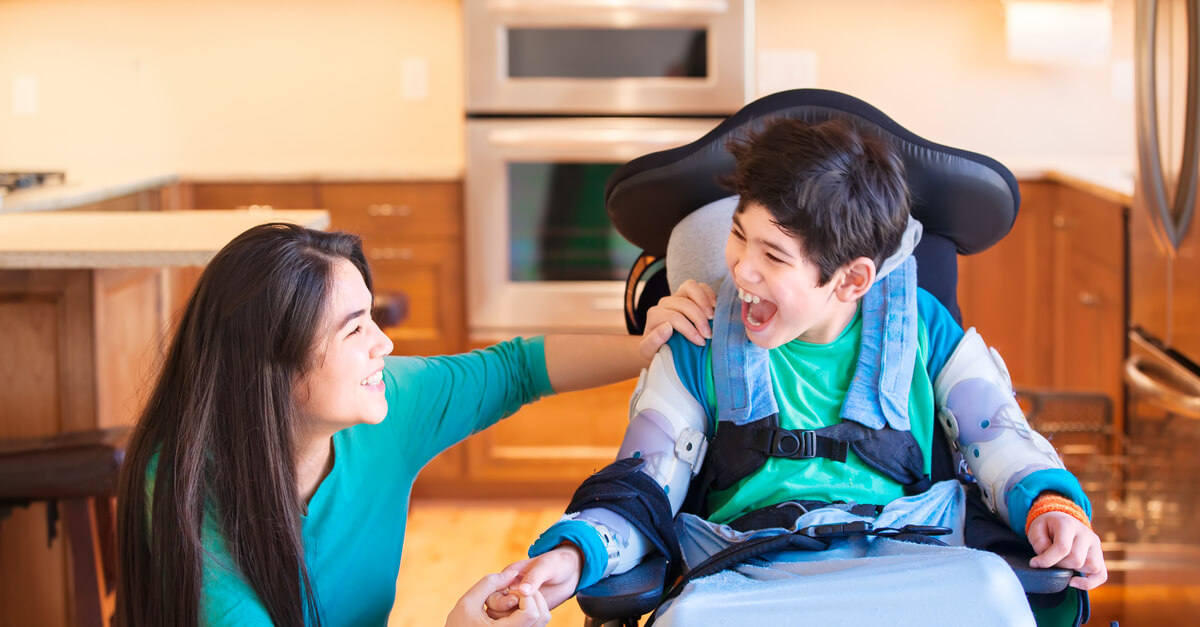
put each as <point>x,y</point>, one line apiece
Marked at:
<point>76,474</point>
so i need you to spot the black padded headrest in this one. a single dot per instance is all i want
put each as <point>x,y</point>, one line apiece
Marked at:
<point>966,197</point>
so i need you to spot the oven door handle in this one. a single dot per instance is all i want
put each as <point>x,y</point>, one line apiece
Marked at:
<point>1177,392</point>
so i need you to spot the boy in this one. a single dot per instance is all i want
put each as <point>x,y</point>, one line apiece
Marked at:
<point>816,401</point>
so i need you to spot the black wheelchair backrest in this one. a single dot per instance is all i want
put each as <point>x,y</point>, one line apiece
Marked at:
<point>965,201</point>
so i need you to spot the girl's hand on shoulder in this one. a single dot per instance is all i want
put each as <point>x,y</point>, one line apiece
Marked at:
<point>687,311</point>
<point>1063,541</point>
<point>529,607</point>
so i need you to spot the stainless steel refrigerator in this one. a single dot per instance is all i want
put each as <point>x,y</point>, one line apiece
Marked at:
<point>1162,461</point>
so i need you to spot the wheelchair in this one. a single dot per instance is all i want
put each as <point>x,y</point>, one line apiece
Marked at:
<point>669,204</point>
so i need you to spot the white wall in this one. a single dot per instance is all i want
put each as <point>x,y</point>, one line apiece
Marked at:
<point>299,87</point>
<point>208,87</point>
<point>940,68</point>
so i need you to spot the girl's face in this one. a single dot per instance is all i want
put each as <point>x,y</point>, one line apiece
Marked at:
<point>344,385</point>
<point>778,284</point>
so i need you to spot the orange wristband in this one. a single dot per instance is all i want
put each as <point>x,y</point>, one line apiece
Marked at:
<point>1051,502</point>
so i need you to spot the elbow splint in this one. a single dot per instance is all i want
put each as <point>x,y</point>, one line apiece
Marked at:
<point>666,435</point>
<point>984,423</point>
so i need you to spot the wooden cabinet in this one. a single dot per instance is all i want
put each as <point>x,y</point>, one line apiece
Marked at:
<point>412,237</point>
<point>544,450</point>
<point>76,353</point>
<point>1051,297</point>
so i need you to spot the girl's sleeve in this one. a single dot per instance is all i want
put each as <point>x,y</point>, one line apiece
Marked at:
<point>436,402</point>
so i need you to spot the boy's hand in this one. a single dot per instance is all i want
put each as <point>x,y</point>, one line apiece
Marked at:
<point>554,574</point>
<point>687,311</point>
<point>1061,540</point>
<point>529,609</point>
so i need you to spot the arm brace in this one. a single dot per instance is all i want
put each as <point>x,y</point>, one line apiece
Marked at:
<point>983,422</point>
<point>631,504</point>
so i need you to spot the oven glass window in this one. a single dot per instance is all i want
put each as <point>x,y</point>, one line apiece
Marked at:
<point>559,230</point>
<point>607,53</point>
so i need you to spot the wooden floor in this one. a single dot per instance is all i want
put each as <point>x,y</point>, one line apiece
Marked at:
<point>449,545</point>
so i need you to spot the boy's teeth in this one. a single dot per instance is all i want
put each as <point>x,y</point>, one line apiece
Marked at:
<point>749,298</point>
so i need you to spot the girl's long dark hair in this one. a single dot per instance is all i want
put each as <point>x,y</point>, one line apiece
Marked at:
<point>222,422</point>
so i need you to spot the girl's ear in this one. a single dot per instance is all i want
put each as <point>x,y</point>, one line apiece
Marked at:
<point>855,278</point>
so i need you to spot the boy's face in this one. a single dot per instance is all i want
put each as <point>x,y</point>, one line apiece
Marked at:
<point>768,264</point>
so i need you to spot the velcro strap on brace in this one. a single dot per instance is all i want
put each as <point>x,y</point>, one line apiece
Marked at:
<point>623,489</point>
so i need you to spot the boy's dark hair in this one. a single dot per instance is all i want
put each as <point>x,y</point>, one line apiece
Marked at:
<point>841,192</point>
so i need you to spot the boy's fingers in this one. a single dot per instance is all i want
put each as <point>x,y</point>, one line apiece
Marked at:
<point>500,603</point>
<point>1038,538</point>
<point>1059,549</point>
<point>1094,571</point>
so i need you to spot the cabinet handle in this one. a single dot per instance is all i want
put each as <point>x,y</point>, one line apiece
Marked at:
<point>1059,221</point>
<point>401,211</point>
<point>255,208</point>
<point>403,254</point>
<point>1088,299</point>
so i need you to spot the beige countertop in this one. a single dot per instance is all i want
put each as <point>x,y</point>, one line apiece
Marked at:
<point>124,239</point>
<point>79,191</point>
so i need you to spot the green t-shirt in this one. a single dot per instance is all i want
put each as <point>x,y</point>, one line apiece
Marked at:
<point>354,529</point>
<point>810,382</point>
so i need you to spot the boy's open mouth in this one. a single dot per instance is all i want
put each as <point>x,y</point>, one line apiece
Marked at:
<point>756,312</point>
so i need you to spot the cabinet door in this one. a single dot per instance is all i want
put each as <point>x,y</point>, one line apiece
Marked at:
<point>428,275</point>
<point>1006,292</point>
<point>238,195</point>
<point>1090,301</point>
<point>387,211</point>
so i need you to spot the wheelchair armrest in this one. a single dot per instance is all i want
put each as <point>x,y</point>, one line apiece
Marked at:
<point>1037,580</point>
<point>630,594</point>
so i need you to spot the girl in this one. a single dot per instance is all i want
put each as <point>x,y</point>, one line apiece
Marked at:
<point>267,480</point>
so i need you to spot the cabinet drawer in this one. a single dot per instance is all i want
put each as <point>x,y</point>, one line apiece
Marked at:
<point>394,209</point>
<point>235,195</point>
<point>429,276</point>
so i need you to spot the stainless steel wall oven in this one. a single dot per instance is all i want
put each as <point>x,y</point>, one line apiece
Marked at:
<point>559,93</point>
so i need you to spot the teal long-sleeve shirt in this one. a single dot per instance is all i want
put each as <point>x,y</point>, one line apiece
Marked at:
<point>354,530</point>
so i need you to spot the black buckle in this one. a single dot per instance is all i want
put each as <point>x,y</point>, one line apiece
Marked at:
<point>924,530</point>
<point>838,530</point>
<point>794,444</point>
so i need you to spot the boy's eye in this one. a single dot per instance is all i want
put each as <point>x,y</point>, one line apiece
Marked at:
<point>774,258</point>
<point>736,233</point>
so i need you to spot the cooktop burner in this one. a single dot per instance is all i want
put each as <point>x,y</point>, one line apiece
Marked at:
<point>12,181</point>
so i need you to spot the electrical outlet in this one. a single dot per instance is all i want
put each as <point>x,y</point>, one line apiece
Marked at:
<point>415,72</point>
<point>24,95</point>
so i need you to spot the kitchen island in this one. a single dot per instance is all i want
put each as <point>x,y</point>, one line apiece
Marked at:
<point>86,303</point>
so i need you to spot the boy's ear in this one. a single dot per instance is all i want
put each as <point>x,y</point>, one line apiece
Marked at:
<point>856,279</point>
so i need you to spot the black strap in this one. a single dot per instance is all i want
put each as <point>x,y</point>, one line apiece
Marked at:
<point>735,450</point>
<point>636,497</point>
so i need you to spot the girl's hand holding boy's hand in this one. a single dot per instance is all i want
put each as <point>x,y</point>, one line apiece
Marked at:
<point>554,575</point>
<point>528,608</point>
<point>687,311</point>
<point>1063,541</point>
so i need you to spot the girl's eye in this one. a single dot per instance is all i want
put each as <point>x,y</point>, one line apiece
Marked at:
<point>356,330</point>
